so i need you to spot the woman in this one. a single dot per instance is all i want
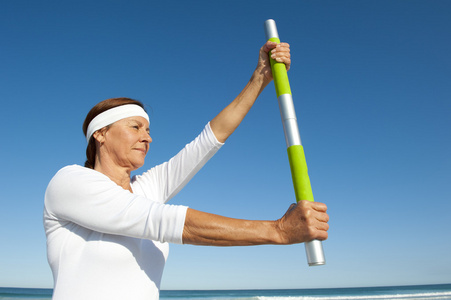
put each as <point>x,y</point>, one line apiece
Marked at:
<point>108,234</point>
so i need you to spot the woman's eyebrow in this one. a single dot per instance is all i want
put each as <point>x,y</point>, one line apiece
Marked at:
<point>136,121</point>
<point>139,123</point>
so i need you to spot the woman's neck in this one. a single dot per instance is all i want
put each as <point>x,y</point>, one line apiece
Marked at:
<point>119,175</point>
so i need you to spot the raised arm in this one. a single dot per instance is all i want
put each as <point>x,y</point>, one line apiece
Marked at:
<point>225,123</point>
<point>303,222</point>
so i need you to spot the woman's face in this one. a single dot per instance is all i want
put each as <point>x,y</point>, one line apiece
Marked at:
<point>126,142</point>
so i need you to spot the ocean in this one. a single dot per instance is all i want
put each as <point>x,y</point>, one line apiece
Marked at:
<point>416,292</point>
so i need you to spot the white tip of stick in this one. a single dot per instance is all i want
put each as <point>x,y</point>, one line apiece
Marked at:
<point>271,29</point>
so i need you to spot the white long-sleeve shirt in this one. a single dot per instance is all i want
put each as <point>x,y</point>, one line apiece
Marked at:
<point>104,242</point>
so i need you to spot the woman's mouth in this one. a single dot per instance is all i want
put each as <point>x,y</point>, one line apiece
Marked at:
<point>144,151</point>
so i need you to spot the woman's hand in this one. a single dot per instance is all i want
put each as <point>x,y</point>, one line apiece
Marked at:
<point>279,52</point>
<point>303,222</point>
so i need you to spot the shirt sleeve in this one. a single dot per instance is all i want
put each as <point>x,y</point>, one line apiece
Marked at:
<point>164,181</point>
<point>90,199</point>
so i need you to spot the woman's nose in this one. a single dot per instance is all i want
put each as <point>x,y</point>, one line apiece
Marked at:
<point>146,137</point>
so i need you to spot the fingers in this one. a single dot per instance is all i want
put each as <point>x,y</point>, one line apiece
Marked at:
<point>321,235</point>
<point>318,206</point>
<point>283,49</point>
<point>268,46</point>
<point>322,226</point>
<point>271,45</point>
<point>281,53</point>
<point>322,217</point>
<point>321,221</point>
<point>317,219</point>
<point>319,212</point>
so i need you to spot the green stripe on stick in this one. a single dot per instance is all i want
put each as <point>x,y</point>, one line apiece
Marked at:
<point>299,173</point>
<point>281,79</point>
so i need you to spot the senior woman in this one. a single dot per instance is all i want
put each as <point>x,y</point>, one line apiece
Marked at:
<point>108,234</point>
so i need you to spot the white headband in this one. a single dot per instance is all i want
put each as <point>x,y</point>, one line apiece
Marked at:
<point>114,114</point>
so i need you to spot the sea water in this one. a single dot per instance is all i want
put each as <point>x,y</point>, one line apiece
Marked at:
<point>417,292</point>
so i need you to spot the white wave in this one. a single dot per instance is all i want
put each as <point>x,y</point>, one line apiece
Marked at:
<point>416,296</point>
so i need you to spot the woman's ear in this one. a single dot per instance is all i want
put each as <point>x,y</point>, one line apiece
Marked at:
<point>99,135</point>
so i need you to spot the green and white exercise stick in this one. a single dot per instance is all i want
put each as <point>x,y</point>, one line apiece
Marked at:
<point>296,156</point>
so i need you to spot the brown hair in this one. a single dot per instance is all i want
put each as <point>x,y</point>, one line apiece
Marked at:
<point>96,110</point>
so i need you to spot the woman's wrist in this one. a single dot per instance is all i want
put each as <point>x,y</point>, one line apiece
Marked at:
<point>259,80</point>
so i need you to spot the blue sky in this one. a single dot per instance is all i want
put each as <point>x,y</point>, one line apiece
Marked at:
<point>371,82</point>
